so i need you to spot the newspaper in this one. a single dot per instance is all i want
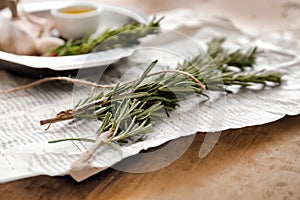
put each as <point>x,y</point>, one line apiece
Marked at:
<point>24,147</point>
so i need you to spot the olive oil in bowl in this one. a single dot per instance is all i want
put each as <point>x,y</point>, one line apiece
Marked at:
<point>77,10</point>
<point>77,20</point>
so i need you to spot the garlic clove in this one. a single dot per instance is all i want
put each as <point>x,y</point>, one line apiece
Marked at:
<point>46,44</point>
<point>46,25</point>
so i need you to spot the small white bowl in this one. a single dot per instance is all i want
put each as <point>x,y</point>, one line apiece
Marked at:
<point>76,21</point>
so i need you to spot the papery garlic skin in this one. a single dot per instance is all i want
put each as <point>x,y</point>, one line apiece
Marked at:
<point>17,38</point>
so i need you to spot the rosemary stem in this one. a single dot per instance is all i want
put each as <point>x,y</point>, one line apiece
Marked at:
<point>201,85</point>
<point>90,105</point>
<point>56,119</point>
<point>62,116</point>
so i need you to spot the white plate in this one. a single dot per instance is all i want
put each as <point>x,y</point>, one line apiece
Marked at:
<point>112,16</point>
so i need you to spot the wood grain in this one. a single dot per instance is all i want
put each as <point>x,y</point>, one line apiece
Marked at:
<point>261,162</point>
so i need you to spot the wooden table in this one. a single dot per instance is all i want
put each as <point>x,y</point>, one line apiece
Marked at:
<point>261,162</point>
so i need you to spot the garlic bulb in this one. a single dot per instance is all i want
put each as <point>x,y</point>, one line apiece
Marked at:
<point>15,38</point>
<point>24,35</point>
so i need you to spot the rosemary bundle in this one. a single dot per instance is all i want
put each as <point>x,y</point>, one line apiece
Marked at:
<point>128,111</point>
<point>124,36</point>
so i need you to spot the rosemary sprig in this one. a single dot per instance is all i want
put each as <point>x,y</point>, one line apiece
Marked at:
<point>225,59</point>
<point>124,36</point>
<point>128,111</point>
<point>161,89</point>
